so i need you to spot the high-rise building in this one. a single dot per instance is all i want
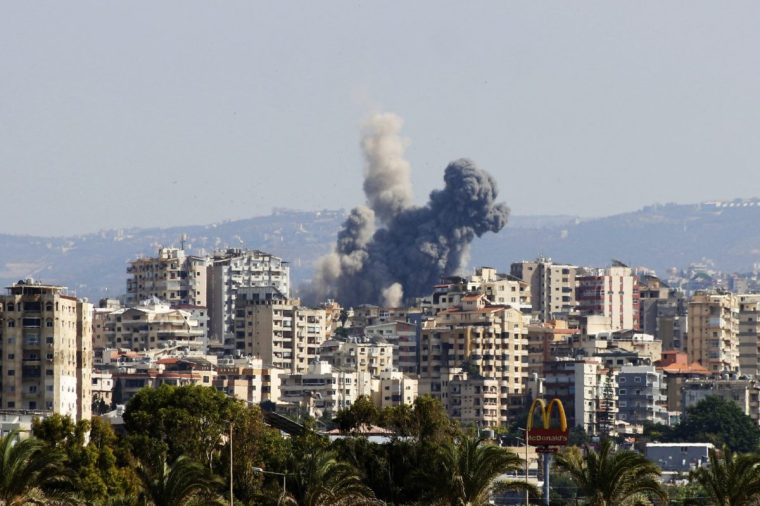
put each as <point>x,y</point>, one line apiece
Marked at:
<point>172,276</point>
<point>280,331</point>
<point>713,338</point>
<point>481,339</point>
<point>749,334</point>
<point>233,269</point>
<point>552,287</point>
<point>613,293</point>
<point>45,351</point>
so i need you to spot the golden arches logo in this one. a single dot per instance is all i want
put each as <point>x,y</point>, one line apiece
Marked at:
<point>546,435</point>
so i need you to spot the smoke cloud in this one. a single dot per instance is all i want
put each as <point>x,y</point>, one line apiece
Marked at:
<point>413,246</point>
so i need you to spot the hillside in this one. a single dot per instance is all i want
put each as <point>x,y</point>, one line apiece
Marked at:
<point>658,236</point>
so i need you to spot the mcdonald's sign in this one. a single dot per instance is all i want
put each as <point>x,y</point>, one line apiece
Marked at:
<point>547,435</point>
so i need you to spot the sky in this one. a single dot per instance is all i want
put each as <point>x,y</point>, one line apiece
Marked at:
<point>159,113</point>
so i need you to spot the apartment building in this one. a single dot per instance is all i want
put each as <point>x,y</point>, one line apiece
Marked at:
<point>403,337</point>
<point>248,379</point>
<point>171,276</point>
<point>476,401</point>
<point>551,287</point>
<point>749,334</point>
<point>233,269</point>
<point>358,355</point>
<point>150,325</point>
<point>502,289</point>
<point>321,391</point>
<point>713,338</point>
<point>45,351</point>
<point>613,293</point>
<point>641,395</point>
<point>484,340</point>
<point>394,389</point>
<point>280,331</point>
<point>745,393</point>
<point>547,340</point>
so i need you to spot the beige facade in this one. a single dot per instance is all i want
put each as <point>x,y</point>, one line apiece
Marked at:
<point>396,388</point>
<point>613,293</point>
<point>552,287</point>
<point>749,334</point>
<point>172,276</point>
<point>248,379</point>
<point>152,324</point>
<point>713,338</point>
<point>277,329</point>
<point>484,340</point>
<point>403,337</point>
<point>501,289</point>
<point>45,351</point>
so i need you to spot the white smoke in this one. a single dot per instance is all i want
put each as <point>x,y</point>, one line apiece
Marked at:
<point>393,295</point>
<point>387,183</point>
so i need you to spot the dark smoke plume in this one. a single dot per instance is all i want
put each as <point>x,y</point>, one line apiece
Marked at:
<point>415,246</point>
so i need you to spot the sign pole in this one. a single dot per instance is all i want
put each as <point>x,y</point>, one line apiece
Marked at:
<point>547,465</point>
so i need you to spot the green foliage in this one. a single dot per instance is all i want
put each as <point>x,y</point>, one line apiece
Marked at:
<point>31,473</point>
<point>468,471</point>
<point>731,479</point>
<point>607,477</point>
<point>187,420</point>
<point>176,484</point>
<point>718,421</point>
<point>362,412</point>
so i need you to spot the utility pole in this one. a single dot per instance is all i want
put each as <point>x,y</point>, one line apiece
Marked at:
<point>232,497</point>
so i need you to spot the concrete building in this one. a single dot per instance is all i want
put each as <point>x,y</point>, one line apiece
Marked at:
<point>613,293</point>
<point>484,340</point>
<point>321,391</point>
<point>357,355</point>
<point>280,331</point>
<point>476,401</point>
<point>713,338</point>
<point>403,336</point>
<point>395,389</point>
<point>676,371</point>
<point>248,379</point>
<point>678,458</point>
<point>743,392</point>
<point>640,395</point>
<point>749,334</point>
<point>501,289</point>
<point>102,387</point>
<point>548,340</point>
<point>171,276</point>
<point>150,325</point>
<point>552,287</point>
<point>45,351</point>
<point>233,269</point>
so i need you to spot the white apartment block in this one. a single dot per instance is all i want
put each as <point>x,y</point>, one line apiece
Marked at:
<point>358,355</point>
<point>613,293</point>
<point>150,325</point>
<point>172,276</point>
<point>280,331</point>
<point>233,269</point>
<point>396,388</point>
<point>321,391</point>
<point>45,351</point>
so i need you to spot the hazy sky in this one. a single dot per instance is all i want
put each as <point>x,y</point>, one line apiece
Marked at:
<point>116,114</point>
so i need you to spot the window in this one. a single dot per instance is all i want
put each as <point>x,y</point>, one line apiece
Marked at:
<point>621,380</point>
<point>11,372</point>
<point>637,379</point>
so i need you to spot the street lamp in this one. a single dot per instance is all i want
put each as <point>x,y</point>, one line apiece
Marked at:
<point>284,483</point>
<point>527,494</point>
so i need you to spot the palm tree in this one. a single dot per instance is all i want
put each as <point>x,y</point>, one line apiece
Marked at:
<point>731,479</point>
<point>30,473</point>
<point>178,484</point>
<point>322,480</point>
<point>470,472</point>
<point>610,478</point>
